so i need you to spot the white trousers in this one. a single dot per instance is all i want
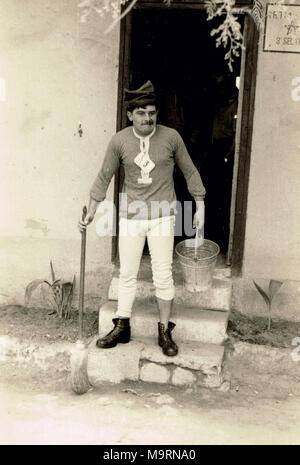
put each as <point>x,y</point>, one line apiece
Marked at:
<point>132,237</point>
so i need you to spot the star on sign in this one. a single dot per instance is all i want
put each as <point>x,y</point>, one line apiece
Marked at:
<point>291,26</point>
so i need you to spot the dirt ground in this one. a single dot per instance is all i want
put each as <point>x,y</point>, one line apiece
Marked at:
<point>43,325</point>
<point>254,330</point>
<point>38,407</point>
<point>39,324</point>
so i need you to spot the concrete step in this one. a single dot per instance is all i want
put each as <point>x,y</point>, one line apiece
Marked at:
<point>142,360</point>
<point>192,323</point>
<point>216,297</point>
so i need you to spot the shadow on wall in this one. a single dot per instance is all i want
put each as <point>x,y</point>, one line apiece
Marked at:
<point>37,225</point>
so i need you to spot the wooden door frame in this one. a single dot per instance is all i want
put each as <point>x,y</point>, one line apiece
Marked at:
<point>245,143</point>
<point>246,115</point>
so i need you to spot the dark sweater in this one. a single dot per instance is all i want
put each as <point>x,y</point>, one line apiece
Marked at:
<point>166,148</point>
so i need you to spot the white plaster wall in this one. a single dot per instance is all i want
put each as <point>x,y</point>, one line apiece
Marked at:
<point>272,245</point>
<point>58,72</point>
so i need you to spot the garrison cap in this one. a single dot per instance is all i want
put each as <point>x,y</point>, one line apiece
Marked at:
<point>144,95</point>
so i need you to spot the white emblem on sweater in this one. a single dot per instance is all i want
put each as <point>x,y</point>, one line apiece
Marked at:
<point>142,160</point>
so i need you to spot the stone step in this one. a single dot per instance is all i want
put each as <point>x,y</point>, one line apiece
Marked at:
<point>218,296</point>
<point>142,360</point>
<point>192,323</point>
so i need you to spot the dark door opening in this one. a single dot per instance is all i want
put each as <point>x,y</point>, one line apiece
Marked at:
<point>198,97</point>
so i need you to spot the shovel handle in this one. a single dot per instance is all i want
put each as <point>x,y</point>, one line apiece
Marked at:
<point>82,275</point>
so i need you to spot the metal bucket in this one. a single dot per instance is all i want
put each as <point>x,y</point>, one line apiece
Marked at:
<point>197,268</point>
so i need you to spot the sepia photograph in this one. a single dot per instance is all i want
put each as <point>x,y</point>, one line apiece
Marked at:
<point>150,225</point>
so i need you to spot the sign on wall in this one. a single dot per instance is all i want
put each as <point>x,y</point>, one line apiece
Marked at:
<point>282,30</point>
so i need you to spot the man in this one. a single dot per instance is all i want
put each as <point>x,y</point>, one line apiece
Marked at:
<point>148,152</point>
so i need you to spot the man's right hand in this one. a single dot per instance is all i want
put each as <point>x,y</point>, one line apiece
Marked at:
<point>82,224</point>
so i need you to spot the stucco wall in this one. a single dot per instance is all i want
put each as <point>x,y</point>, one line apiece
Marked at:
<point>58,73</point>
<point>272,247</point>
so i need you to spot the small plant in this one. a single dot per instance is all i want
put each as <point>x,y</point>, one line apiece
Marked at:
<point>229,32</point>
<point>62,293</point>
<point>274,287</point>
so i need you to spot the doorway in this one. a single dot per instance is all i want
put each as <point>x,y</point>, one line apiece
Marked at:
<point>198,97</point>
